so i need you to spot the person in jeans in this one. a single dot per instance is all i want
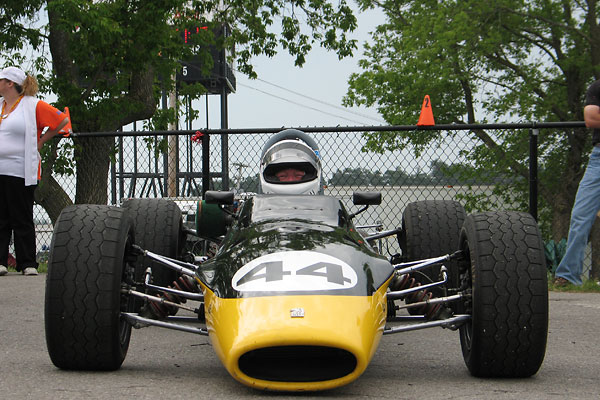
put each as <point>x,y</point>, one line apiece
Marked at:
<point>587,200</point>
<point>22,120</point>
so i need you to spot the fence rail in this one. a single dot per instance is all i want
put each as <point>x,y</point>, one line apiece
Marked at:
<point>229,159</point>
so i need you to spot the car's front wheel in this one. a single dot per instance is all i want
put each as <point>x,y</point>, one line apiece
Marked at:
<point>504,275</point>
<point>90,262</point>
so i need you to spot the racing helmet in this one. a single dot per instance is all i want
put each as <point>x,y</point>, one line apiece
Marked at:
<point>290,153</point>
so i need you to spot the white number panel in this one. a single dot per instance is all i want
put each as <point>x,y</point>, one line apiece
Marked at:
<point>293,271</point>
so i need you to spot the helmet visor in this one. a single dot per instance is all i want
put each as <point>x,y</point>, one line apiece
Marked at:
<point>289,162</point>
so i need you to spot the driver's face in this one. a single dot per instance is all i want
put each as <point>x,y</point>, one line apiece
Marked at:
<point>290,175</point>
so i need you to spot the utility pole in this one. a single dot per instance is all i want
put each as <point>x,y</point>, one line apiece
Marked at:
<point>240,168</point>
<point>173,142</point>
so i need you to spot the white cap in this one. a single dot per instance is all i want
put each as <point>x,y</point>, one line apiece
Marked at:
<point>13,74</point>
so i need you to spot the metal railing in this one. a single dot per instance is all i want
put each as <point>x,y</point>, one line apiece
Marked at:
<point>229,159</point>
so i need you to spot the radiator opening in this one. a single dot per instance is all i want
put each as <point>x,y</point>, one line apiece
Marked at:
<point>297,363</point>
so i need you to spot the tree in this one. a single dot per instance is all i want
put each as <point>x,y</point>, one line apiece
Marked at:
<point>356,177</point>
<point>110,60</point>
<point>250,184</point>
<point>396,177</point>
<point>489,61</point>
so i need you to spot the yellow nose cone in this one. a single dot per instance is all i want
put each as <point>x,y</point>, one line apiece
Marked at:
<point>296,343</point>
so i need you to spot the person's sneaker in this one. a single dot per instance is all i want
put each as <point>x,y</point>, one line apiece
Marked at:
<point>561,282</point>
<point>3,270</point>
<point>30,271</point>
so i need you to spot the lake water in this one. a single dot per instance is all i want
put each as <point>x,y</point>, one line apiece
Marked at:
<point>395,199</point>
<point>389,213</point>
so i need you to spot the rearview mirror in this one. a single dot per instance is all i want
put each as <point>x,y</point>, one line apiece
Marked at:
<point>366,198</point>
<point>218,197</point>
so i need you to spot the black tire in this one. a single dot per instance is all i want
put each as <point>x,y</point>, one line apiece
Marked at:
<point>159,229</point>
<point>88,264</point>
<point>505,271</point>
<point>431,228</point>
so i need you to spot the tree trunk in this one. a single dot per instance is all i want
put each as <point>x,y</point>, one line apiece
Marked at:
<point>93,162</point>
<point>560,225</point>
<point>49,194</point>
<point>561,204</point>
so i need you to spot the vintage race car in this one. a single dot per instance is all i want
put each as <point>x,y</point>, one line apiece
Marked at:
<point>293,295</point>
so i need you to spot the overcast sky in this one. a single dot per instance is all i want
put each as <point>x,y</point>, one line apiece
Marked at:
<point>285,95</point>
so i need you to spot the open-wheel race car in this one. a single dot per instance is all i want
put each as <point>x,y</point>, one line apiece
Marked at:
<point>292,294</point>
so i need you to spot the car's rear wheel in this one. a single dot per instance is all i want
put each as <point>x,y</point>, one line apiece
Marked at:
<point>159,229</point>
<point>90,262</point>
<point>430,229</point>
<point>505,273</point>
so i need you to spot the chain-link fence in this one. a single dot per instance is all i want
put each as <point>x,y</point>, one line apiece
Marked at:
<point>181,164</point>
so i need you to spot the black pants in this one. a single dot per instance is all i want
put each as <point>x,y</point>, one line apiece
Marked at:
<point>16,216</point>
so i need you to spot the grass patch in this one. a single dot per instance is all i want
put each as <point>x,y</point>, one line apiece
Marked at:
<point>588,286</point>
<point>42,268</point>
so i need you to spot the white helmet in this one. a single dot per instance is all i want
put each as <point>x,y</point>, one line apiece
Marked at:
<point>293,154</point>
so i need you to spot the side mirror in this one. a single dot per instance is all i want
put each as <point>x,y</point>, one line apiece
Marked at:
<point>366,198</point>
<point>217,197</point>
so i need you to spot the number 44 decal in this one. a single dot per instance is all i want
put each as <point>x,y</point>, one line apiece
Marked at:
<point>294,271</point>
<point>273,271</point>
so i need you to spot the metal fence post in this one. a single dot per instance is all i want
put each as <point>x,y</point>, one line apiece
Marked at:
<point>205,163</point>
<point>533,171</point>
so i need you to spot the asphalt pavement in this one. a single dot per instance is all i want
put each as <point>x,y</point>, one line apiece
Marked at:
<point>168,364</point>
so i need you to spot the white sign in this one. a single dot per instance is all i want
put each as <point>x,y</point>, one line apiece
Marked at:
<point>297,312</point>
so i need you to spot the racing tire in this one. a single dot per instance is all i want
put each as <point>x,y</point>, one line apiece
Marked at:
<point>431,228</point>
<point>159,229</point>
<point>89,262</point>
<point>505,272</point>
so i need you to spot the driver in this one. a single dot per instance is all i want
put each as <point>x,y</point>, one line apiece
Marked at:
<point>290,166</point>
<point>290,175</point>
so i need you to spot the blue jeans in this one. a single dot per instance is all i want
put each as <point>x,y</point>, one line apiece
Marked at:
<point>583,215</point>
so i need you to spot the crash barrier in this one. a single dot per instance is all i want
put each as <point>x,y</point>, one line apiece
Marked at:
<point>183,164</point>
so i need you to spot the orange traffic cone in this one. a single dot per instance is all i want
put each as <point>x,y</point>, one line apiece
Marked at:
<point>68,128</point>
<point>426,117</point>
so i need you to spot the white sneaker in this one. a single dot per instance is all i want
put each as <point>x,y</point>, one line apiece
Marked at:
<point>30,271</point>
<point>3,270</point>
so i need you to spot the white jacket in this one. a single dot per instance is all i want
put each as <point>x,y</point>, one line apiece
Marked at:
<point>32,156</point>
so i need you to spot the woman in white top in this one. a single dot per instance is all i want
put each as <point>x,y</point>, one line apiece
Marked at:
<point>22,119</point>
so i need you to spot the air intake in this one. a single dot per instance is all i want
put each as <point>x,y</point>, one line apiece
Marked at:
<point>297,363</point>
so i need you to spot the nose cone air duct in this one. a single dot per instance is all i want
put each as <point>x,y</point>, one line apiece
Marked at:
<point>299,363</point>
<point>296,343</point>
